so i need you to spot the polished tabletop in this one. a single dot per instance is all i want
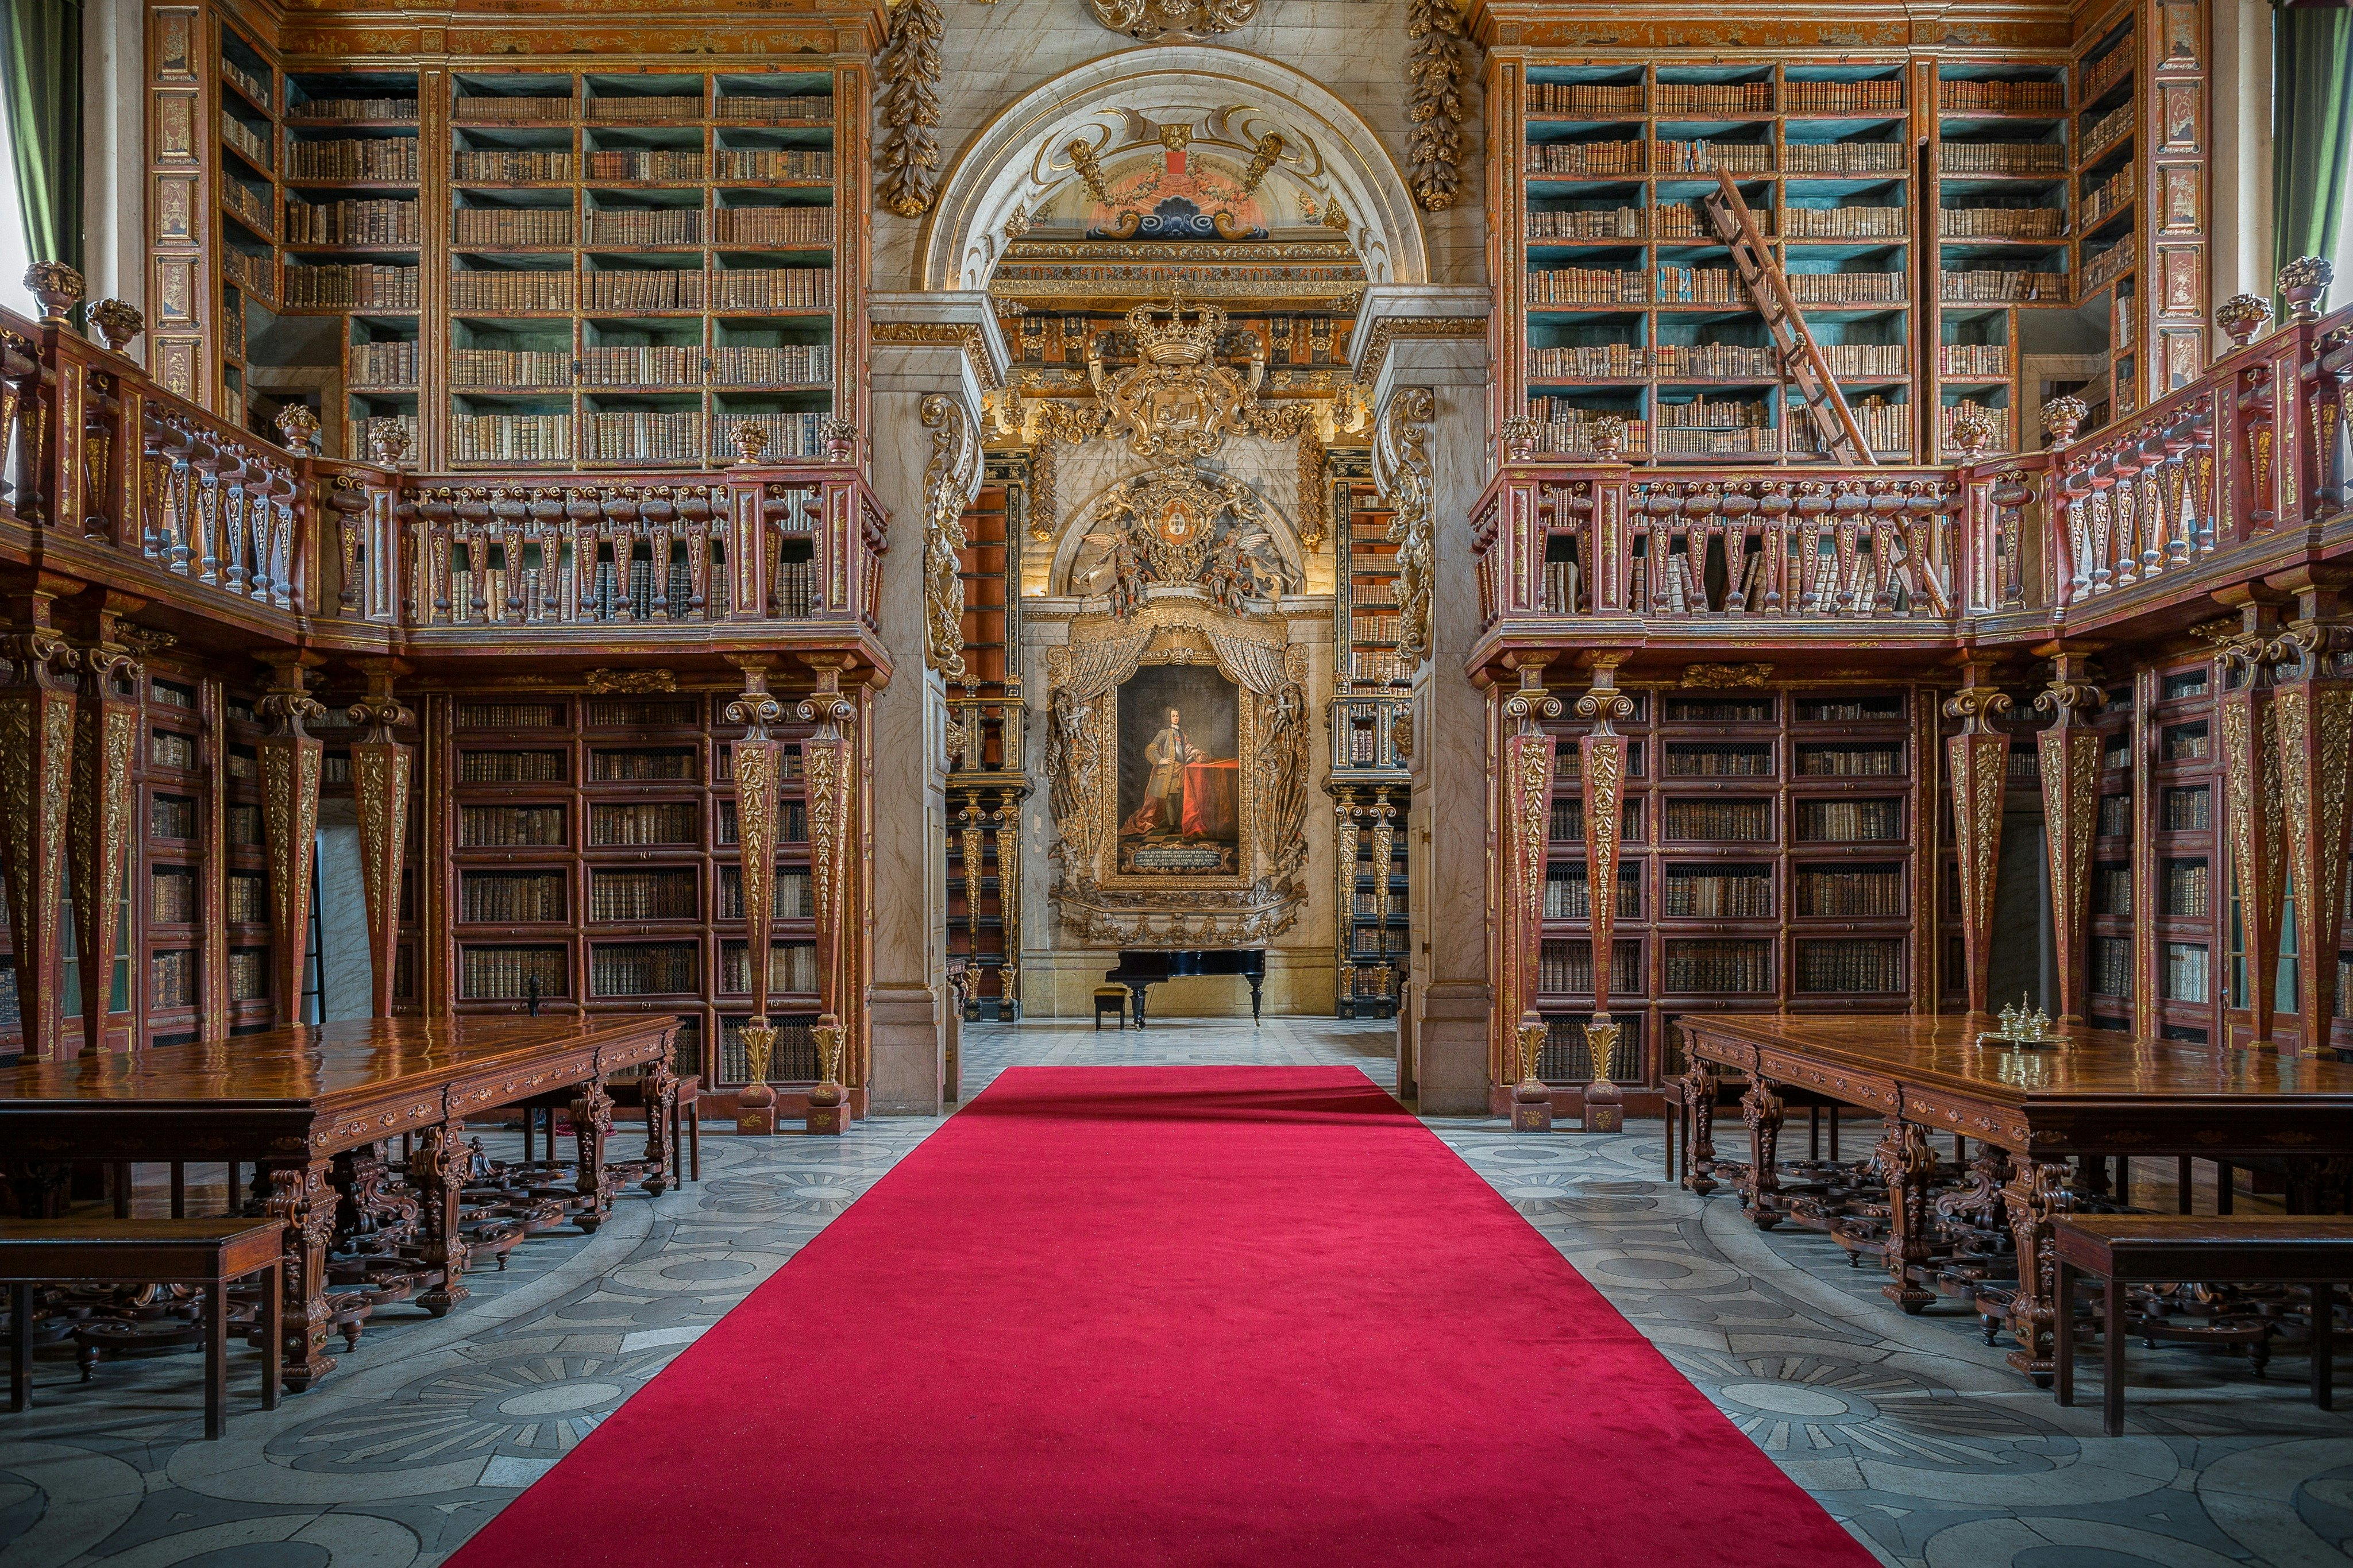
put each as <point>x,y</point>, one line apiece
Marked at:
<point>2086,1064</point>
<point>308,1063</point>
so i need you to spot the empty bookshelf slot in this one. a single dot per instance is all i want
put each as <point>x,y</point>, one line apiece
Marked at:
<point>792,969</point>
<point>1727,965</point>
<point>1720,821</point>
<point>642,712</point>
<point>172,816</point>
<point>509,716</point>
<point>1566,1060</point>
<point>2112,965</point>
<point>509,767</point>
<point>2184,742</point>
<point>1719,759</point>
<point>2186,888</point>
<point>2112,891</point>
<point>662,762</point>
<point>2184,972</point>
<point>1872,964</point>
<point>508,973</point>
<point>1568,896</point>
<point>1849,891</point>
<point>1832,761</point>
<point>244,898</point>
<point>1564,968</point>
<point>643,822</point>
<point>2187,810</point>
<point>1878,706</point>
<point>792,1059</point>
<point>642,969</point>
<point>1719,710</point>
<point>664,895</point>
<point>1849,821</point>
<point>511,897</point>
<point>1720,892</point>
<point>509,826</point>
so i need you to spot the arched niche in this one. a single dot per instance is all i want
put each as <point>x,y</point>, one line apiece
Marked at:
<point>1017,161</point>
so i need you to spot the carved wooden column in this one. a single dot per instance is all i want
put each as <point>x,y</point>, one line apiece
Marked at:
<point>1978,758</point>
<point>1384,857</point>
<point>970,839</point>
<point>37,736</point>
<point>829,767</point>
<point>292,758</point>
<point>380,771</point>
<point>2253,806</point>
<point>1347,835</point>
<point>757,768</point>
<point>1527,794</point>
<point>99,828</point>
<point>2314,705</point>
<point>2070,755</point>
<point>1601,756</point>
<point>1007,821</point>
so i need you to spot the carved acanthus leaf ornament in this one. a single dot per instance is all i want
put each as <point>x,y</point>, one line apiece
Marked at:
<point>1177,402</point>
<point>1154,20</point>
<point>909,106</point>
<point>1435,71</point>
<point>1401,467</point>
<point>949,475</point>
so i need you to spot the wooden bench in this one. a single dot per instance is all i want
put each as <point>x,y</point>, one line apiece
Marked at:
<point>206,1252</point>
<point>2142,1249</point>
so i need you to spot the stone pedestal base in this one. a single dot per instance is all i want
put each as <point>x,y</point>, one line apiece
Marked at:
<point>1531,1115</point>
<point>828,1120</point>
<point>1605,1111</point>
<point>755,1112</point>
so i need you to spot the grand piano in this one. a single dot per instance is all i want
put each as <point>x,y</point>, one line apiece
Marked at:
<point>1141,968</point>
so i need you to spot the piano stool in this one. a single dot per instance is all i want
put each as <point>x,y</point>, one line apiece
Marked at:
<point>1114,999</point>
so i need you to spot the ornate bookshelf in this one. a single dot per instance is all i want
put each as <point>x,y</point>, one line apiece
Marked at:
<point>1770,859</point>
<point>1371,789</point>
<point>985,784</point>
<point>610,265</point>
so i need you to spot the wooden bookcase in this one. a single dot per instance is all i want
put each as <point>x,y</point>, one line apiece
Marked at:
<point>979,939</point>
<point>1770,860</point>
<point>1373,924</point>
<point>531,266</point>
<point>591,855</point>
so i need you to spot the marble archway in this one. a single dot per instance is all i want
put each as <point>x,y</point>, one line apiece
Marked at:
<point>1017,161</point>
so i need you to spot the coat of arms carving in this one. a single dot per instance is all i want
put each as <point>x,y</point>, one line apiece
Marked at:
<point>1177,402</point>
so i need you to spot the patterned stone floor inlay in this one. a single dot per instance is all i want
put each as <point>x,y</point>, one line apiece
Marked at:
<point>1909,1430</point>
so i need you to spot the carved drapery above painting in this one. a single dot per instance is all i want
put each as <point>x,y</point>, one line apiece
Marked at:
<point>1176,766</point>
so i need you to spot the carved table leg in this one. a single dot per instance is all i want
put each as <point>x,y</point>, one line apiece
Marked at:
<point>1699,1128</point>
<point>1763,1110</point>
<point>658,1093</point>
<point>2036,1194</point>
<point>299,1196</point>
<point>1909,1164</point>
<point>592,1122</point>
<point>437,1170</point>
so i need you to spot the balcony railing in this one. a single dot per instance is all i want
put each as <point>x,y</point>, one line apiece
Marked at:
<point>984,732</point>
<point>2240,473</point>
<point>116,479</point>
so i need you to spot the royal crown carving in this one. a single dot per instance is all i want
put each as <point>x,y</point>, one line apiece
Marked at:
<point>1178,402</point>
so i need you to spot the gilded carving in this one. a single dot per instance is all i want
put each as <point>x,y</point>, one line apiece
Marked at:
<point>1435,72</point>
<point>1180,525</point>
<point>1602,755</point>
<point>290,759</point>
<point>99,821</point>
<point>831,784</point>
<point>1722,677</point>
<point>381,768</point>
<point>1401,467</point>
<point>1154,20</point>
<point>909,104</point>
<point>1978,758</point>
<point>2070,752</point>
<point>37,726</point>
<point>1176,402</point>
<point>949,476</point>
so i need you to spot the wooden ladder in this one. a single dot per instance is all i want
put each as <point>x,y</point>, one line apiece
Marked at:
<point>1801,357</point>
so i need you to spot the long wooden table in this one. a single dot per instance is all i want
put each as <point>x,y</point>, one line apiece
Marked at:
<point>299,1103</point>
<point>2096,1093</point>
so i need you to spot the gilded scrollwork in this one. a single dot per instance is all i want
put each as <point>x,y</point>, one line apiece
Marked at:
<point>1980,764</point>
<point>292,760</point>
<point>909,103</point>
<point>1401,467</point>
<point>1176,402</point>
<point>829,772</point>
<point>950,474</point>
<point>380,776</point>
<point>2070,752</point>
<point>1151,21</point>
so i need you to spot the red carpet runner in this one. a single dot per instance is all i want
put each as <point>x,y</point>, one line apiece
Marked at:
<point>1170,1315</point>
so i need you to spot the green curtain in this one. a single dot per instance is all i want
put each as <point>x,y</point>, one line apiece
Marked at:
<point>40,70</point>
<point>2312,127</point>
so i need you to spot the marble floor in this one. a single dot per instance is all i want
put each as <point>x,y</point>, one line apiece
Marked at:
<point>1909,1430</point>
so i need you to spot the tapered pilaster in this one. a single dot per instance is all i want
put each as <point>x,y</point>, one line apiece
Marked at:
<point>1601,757</point>
<point>37,737</point>
<point>2315,710</point>
<point>757,767</point>
<point>291,759</point>
<point>98,815</point>
<point>2254,810</point>
<point>1527,784</point>
<point>829,772</point>
<point>2069,754</point>
<point>380,778</point>
<point>1978,758</point>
